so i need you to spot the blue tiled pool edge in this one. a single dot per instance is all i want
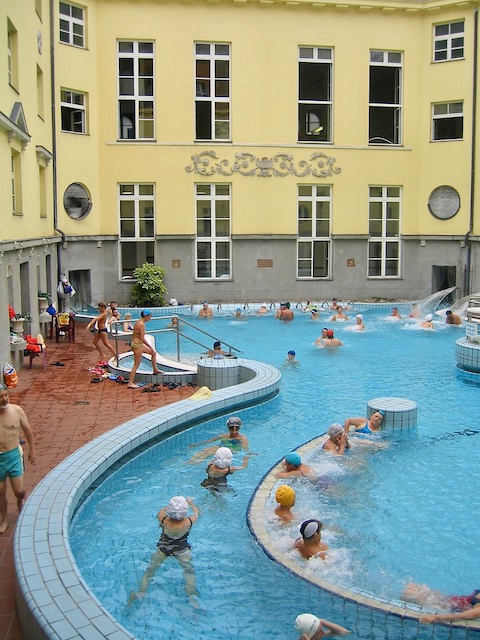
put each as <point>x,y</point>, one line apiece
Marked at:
<point>53,601</point>
<point>256,523</point>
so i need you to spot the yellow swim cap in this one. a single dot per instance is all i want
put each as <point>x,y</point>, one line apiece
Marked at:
<point>285,495</point>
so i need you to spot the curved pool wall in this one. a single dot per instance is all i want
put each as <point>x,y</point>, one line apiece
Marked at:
<point>467,354</point>
<point>408,616</point>
<point>53,601</point>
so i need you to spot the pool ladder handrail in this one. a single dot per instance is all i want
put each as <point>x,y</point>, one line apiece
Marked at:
<point>179,334</point>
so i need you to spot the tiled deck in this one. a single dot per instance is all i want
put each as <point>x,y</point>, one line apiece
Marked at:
<point>66,411</point>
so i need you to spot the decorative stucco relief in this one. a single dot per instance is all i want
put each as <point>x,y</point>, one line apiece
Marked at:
<point>319,165</point>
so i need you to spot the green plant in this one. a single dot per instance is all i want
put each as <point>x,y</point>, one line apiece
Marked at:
<point>22,316</point>
<point>149,288</point>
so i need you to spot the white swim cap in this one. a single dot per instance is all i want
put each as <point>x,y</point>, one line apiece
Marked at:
<point>307,624</point>
<point>177,508</point>
<point>223,457</point>
<point>359,316</point>
<point>428,317</point>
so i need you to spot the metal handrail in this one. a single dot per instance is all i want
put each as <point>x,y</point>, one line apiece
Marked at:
<point>114,332</point>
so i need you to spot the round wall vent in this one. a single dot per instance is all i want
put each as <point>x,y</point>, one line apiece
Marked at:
<point>76,201</point>
<point>444,202</point>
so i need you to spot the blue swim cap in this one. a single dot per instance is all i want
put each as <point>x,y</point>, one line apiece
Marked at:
<point>291,353</point>
<point>146,312</point>
<point>293,459</point>
<point>381,412</point>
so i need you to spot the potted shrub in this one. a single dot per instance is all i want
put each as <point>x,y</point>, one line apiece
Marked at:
<point>18,320</point>
<point>149,289</point>
<point>43,301</point>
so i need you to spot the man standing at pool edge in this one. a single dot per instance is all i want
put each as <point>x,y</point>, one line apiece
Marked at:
<point>12,419</point>
<point>139,346</point>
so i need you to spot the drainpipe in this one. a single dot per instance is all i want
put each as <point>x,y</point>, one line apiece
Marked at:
<point>468,263</point>
<point>54,141</point>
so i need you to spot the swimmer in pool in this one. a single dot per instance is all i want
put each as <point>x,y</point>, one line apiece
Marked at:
<point>452,318</point>
<point>220,468</point>
<point>313,628</point>
<point>234,440</point>
<point>465,607</point>
<point>340,315</point>
<point>337,442</point>
<point>310,545</point>
<point>294,467</point>
<point>359,326</point>
<point>395,313</point>
<point>285,497</point>
<point>364,425</point>
<point>415,311</point>
<point>291,359</point>
<point>175,525</point>
<point>329,342</point>
<point>318,341</point>
<point>427,323</point>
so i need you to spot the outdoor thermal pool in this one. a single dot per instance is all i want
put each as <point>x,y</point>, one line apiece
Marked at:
<point>392,515</point>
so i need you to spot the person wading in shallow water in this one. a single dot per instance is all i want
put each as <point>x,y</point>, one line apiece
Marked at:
<point>12,420</point>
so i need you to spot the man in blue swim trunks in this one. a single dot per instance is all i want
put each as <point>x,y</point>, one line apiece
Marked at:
<point>12,419</point>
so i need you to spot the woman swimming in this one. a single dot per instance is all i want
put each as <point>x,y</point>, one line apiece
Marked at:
<point>220,468</point>
<point>234,440</point>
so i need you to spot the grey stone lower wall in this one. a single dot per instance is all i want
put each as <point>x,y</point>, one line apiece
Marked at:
<point>252,282</point>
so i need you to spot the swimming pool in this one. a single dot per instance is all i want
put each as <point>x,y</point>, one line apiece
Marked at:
<point>241,590</point>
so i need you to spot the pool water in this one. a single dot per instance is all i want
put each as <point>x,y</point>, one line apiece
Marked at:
<point>392,515</point>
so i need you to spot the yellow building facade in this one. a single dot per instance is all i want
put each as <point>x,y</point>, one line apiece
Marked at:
<point>272,149</point>
<point>28,241</point>
<point>254,150</point>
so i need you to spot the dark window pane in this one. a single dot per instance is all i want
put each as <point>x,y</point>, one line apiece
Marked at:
<point>384,85</point>
<point>314,81</point>
<point>448,128</point>
<point>310,118</point>
<point>125,67</point>
<point>127,119</point>
<point>382,125</point>
<point>203,121</point>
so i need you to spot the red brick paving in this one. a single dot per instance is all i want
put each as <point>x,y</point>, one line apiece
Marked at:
<point>66,411</point>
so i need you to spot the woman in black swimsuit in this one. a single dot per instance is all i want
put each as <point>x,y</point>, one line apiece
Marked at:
<point>175,525</point>
<point>220,468</point>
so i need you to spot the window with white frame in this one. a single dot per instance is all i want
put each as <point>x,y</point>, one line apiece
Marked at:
<point>314,229</point>
<point>213,241</point>
<point>447,121</point>
<point>315,101</point>
<point>212,91</point>
<point>12,55</point>
<point>72,24</point>
<point>137,226</point>
<point>384,206</point>
<point>385,97</point>
<point>42,180</point>
<point>73,106</point>
<point>40,93</point>
<point>448,41</point>
<point>16,173</point>
<point>136,90</point>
